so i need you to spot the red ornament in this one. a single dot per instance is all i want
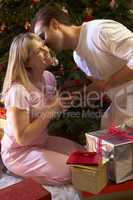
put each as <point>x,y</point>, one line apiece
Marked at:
<point>75,69</point>
<point>88,14</point>
<point>97,3</point>
<point>3,113</point>
<point>88,18</point>
<point>34,2</point>
<point>77,82</point>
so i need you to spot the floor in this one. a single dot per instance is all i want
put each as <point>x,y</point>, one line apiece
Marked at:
<point>58,193</point>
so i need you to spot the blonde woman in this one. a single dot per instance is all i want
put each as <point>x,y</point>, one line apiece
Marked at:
<point>30,99</point>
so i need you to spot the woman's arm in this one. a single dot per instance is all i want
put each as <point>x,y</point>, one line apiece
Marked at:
<point>26,131</point>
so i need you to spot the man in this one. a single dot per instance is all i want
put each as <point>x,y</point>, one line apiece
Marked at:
<point>102,49</point>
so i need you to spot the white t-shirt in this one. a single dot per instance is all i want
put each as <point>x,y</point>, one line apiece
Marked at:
<point>104,47</point>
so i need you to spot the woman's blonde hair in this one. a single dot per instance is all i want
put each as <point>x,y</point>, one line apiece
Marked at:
<point>17,69</point>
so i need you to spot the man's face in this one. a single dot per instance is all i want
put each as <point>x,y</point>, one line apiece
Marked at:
<point>52,35</point>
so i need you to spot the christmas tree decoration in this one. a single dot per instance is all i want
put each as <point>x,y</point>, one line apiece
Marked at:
<point>113,4</point>
<point>88,14</point>
<point>34,2</point>
<point>3,27</point>
<point>61,70</point>
<point>2,113</point>
<point>77,82</point>
<point>16,17</point>
<point>27,26</point>
<point>65,10</point>
<point>131,11</point>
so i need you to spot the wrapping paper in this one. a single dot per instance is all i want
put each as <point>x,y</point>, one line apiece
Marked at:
<point>118,148</point>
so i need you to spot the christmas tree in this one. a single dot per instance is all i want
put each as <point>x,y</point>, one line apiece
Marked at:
<point>16,16</point>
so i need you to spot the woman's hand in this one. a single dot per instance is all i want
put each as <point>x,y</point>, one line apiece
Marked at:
<point>60,103</point>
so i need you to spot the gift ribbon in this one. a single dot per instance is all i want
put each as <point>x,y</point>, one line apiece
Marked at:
<point>113,131</point>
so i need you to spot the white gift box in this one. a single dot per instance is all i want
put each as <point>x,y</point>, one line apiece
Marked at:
<point>119,151</point>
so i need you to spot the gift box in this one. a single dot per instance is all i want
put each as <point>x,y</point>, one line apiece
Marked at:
<point>25,190</point>
<point>89,178</point>
<point>83,158</point>
<point>118,148</point>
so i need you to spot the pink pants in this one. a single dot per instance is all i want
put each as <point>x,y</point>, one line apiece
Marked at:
<point>47,165</point>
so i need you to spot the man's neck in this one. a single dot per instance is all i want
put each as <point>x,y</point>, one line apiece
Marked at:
<point>71,37</point>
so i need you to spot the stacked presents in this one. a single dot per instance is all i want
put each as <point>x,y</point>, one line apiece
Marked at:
<point>109,157</point>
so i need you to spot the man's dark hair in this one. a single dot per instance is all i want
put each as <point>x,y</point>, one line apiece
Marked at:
<point>51,11</point>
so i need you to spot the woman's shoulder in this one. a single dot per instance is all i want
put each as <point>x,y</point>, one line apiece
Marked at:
<point>17,87</point>
<point>17,96</point>
<point>48,74</point>
<point>17,90</point>
<point>49,77</point>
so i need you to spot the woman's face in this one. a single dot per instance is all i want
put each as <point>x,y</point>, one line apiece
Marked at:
<point>39,57</point>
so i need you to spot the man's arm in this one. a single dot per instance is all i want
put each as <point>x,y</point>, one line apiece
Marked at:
<point>119,42</point>
<point>117,79</point>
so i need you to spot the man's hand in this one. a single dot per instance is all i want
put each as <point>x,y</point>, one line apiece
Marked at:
<point>97,86</point>
<point>121,77</point>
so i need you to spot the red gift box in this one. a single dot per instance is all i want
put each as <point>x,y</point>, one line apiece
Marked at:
<point>83,158</point>
<point>27,189</point>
